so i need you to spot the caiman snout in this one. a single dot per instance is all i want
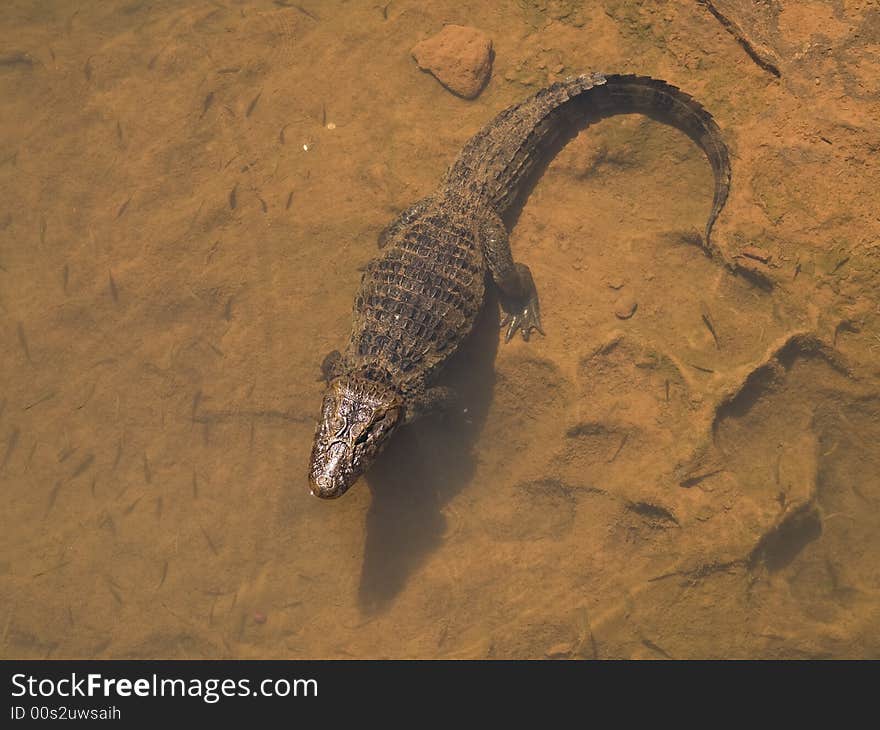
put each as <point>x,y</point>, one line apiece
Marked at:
<point>357,417</point>
<point>327,474</point>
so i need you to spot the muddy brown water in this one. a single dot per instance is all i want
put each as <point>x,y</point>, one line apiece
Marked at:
<point>180,238</point>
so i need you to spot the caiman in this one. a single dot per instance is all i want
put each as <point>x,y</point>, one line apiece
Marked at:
<point>419,300</point>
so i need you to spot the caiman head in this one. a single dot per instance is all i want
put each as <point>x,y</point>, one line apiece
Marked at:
<point>357,418</point>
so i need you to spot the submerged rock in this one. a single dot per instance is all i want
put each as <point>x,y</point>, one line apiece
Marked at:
<point>626,308</point>
<point>559,651</point>
<point>459,57</point>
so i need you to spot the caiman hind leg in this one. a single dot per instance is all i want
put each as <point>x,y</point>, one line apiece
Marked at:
<point>519,297</point>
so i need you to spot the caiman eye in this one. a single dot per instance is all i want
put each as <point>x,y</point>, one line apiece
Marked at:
<point>366,433</point>
<point>377,424</point>
<point>363,436</point>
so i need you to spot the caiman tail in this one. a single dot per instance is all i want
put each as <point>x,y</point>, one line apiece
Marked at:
<point>512,146</point>
<point>670,105</point>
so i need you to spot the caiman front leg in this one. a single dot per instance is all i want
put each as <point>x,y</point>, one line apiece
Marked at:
<point>439,399</point>
<point>519,297</point>
<point>331,366</point>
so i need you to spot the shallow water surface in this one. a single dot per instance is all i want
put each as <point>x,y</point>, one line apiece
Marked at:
<point>187,193</point>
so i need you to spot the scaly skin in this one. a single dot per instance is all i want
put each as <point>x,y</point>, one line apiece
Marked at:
<point>420,299</point>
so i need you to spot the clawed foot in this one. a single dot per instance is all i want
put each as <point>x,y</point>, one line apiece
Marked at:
<point>523,317</point>
<point>527,319</point>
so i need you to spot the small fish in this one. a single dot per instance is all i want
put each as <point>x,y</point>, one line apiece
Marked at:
<point>212,252</point>
<point>164,575</point>
<point>710,325</point>
<point>123,208</point>
<point>209,99</point>
<point>18,58</point>
<point>87,69</point>
<point>57,566</point>
<point>227,312</point>
<point>84,464</point>
<point>107,522</point>
<point>281,134</point>
<point>53,495</point>
<point>89,395</point>
<point>118,455</point>
<point>68,26</point>
<point>695,477</point>
<point>10,446</point>
<point>253,104</point>
<point>209,540</point>
<point>619,448</point>
<point>289,200</point>
<point>233,197</point>
<point>305,12</point>
<point>119,131</point>
<point>22,340</point>
<point>43,399</point>
<point>300,8</point>
<point>195,405</point>
<point>195,217</point>
<point>114,590</point>
<point>263,204</point>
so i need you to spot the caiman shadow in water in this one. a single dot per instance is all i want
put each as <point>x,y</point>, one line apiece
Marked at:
<point>426,465</point>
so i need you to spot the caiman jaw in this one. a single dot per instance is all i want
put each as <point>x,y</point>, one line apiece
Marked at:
<point>326,475</point>
<point>357,417</point>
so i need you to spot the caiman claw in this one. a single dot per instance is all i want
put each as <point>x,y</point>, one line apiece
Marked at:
<point>519,316</point>
<point>525,320</point>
